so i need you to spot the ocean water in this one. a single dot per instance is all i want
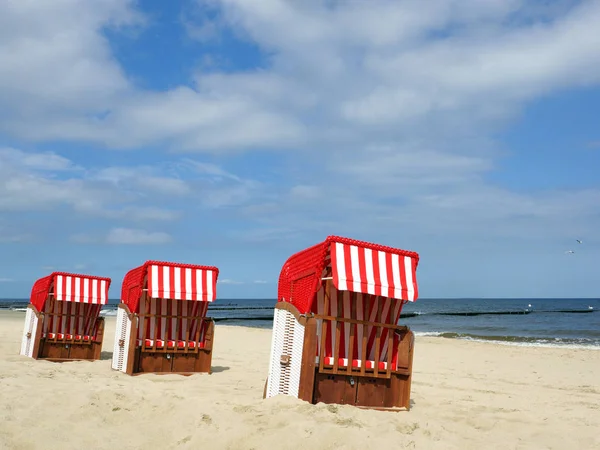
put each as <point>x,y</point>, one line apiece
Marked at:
<point>540,322</point>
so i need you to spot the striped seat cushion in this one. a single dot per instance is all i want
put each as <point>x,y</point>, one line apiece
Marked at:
<point>343,362</point>
<point>68,336</point>
<point>161,343</point>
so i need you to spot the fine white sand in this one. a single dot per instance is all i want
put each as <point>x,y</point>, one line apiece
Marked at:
<point>466,395</point>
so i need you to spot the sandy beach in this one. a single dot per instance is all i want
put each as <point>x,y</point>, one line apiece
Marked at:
<point>466,395</point>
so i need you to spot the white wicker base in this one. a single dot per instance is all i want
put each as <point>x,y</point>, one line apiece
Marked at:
<point>122,333</point>
<point>29,330</point>
<point>288,340</point>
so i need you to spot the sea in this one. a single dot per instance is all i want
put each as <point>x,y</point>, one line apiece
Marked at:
<point>569,322</point>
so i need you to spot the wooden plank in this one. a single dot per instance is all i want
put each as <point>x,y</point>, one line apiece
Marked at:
<point>363,322</point>
<point>334,389</point>
<point>307,369</point>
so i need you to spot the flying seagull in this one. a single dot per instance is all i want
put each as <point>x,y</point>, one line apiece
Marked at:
<point>569,251</point>
<point>579,241</point>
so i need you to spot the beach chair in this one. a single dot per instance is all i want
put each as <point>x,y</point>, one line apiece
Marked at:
<point>335,334</point>
<point>161,321</point>
<point>62,321</point>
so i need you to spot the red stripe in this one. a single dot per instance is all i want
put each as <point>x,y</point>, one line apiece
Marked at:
<point>403,284</point>
<point>183,284</point>
<point>97,294</point>
<point>81,299</point>
<point>376,273</point>
<point>151,282</point>
<point>334,270</point>
<point>384,332</point>
<point>374,303</point>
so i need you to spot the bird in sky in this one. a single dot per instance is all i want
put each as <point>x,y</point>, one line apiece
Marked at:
<point>579,241</point>
<point>569,251</point>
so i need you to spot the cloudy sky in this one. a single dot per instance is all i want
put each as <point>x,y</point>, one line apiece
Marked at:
<point>235,133</point>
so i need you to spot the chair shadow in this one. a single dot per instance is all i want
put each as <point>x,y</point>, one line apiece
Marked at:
<point>217,369</point>
<point>105,355</point>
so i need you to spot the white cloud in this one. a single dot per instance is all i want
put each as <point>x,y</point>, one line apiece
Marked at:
<point>132,236</point>
<point>6,280</point>
<point>383,116</point>
<point>260,282</point>
<point>228,281</point>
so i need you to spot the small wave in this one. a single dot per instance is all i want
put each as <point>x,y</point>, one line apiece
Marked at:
<point>526,341</point>
<point>428,333</point>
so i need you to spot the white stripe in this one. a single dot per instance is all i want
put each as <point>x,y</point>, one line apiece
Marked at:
<point>355,262</point>
<point>370,273</point>
<point>58,288</point>
<point>341,268</point>
<point>69,289</point>
<point>188,284</point>
<point>76,297</point>
<point>410,285</point>
<point>396,275</point>
<point>198,284</point>
<point>154,277</point>
<point>209,285</point>
<point>103,293</point>
<point>177,283</point>
<point>86,290</point>
<point>94,290</point>
<point>166,283</point>
<point>383,281</point>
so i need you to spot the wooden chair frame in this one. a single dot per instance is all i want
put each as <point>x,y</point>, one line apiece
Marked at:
<point>138,359</point>
<point>364,387</point>
<point>62,349</point>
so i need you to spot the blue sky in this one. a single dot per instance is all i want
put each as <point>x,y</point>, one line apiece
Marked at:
<point>234,133</point>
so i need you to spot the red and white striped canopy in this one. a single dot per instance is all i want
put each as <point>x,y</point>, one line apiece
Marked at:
<point>70,287</point>
<point>81,289</point>
<point>356,266</point>
<point>182,283</point>
<point>359,268</point>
